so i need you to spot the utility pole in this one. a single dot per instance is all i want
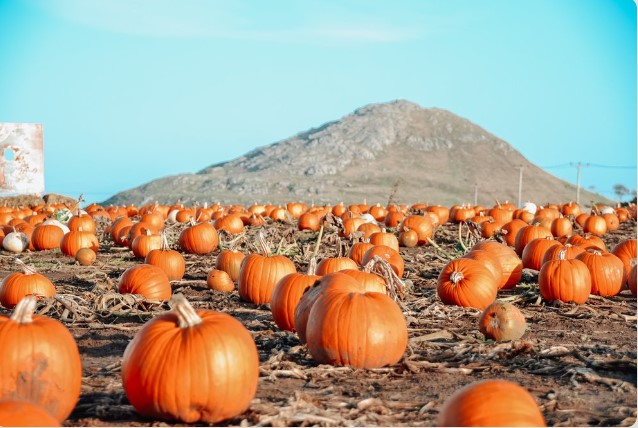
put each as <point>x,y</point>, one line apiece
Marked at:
<point>578,166</point>
<point>520,185</point>
<point>475,194</point>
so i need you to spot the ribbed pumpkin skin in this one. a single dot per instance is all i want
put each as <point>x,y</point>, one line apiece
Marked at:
<point>207,372</point>
<point>631,282</point>
<point>626,251</point>
<point>147,280</point>
<point>358,250</point>
<point>511,264</point>
<point>201,238</point>
<point>259,274</point>
<point>46,237</point>
<point>388,254</point>
<point>361,330</point>
<point>170,261</point>
<point>23,413</point>
<point>74,240</point>
<point>564,280</point>
<point>40,363</point>
<point>527,234</point>
<point>587,241</point>
<point>607,272</point>
<point>230,262</point>
<point>511,228</point>
<point>476,289</point>
<point>535,250</point>
<point>571,251</point>
<point>370,281</point>
<point>489,260</point>
<point>335,264</point>
<point>492,402</point>
<point>286,297</point>
<point>145,243</point>
<point>19,284</point>
<point>422,225</point>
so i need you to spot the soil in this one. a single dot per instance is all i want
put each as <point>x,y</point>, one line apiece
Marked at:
<point>578,361</point>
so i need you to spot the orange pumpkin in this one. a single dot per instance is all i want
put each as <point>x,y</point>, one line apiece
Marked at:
<point>502,321</point>
<point>358,250</point>
<point>335,264</point>
<point>29,282</point>
<point>259,273</point>
<point>146,242</point>
<point>219,280</point>
<point>422,225</point>
<point>595,224</point>
<point>199,238</point>
<point>626,251</point>
<point>309,221</point>
<point>631,282</point>
<point>586,241</point>
<point>24,413</point>
<point>570,252</point>
<point>145,279</point>
<point>511,264</point>
<point>467,283</point>
<point>607,271</point>
<point>390,255</point>
<point>286,297</point>
<point>170,261</point>
<point>73,240</point>
<point>564,280</point>
<point>489,260</point>
<point>40,361</point>
<point>491,402</point>
<point>46,237</point>
<point>535,250</point>
<point>385,238</point>
<point>347,327</point>
<point>191,366</point>
<point>230,262</point>
<point>527,234</point>
<point>510,229</point>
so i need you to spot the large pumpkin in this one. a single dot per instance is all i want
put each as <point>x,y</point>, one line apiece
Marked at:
<point>24,413</point>
<point>347,327</point>
<point>467,283</point>
<point>40,361</point>
<point>626,251</point>
<point>492,402</point>
<point>607,271</point>
<point>191,366</point>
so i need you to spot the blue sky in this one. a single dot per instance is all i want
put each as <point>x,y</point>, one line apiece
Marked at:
<point>133,90</point>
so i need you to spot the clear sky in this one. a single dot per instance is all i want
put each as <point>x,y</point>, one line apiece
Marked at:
<point>133,90</point>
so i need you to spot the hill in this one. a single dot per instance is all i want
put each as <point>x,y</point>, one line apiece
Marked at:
<point>396,149</point>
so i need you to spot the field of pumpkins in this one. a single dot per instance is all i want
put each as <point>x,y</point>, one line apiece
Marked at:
<point>336,315</point>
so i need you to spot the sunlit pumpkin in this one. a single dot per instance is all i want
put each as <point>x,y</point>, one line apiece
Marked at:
<point>29,282</point>
<point>145,279</point>
<point>467,283</point>
<point>502,321</point>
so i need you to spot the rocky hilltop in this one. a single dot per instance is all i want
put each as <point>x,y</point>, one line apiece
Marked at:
<point>396,150</point>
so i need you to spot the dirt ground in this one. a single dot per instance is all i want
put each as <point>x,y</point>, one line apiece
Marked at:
<point>578,361</point>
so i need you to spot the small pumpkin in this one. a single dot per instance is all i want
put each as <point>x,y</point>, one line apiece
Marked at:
<point>502,321</point>
<point>391,255</point>
<point>85,256</point>
<point>170,261</point>
<point>527,234</point>
<point>76,239</point>
<point>335,264</point>
<point>219,280</point>
<point>191,366</point>
<point>230,262</point>
<point>491,402</point>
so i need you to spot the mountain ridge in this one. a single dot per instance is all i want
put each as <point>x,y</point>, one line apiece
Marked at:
<point>398,147</point>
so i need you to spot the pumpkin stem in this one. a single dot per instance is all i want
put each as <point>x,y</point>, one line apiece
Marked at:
<point>28,270</point>
<point>23,312</point>
<point>456,277</point>
<point>312,266</point>
<point>317,245</point>
<point>165,246</point>
<point>562,254</point>
<point>263,245</point>
<point>186,314</point>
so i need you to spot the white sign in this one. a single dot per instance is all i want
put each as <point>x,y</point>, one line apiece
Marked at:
<point>21,159</point>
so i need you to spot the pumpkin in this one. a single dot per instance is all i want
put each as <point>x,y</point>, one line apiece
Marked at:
<point>595,224</point>
<point>443,213</point>
<point>527,234</point>
<point>16,242</point>
<point>570,252</point>
<point>145,279</point>
<point>146,242</point>
<point>586,241</point>
<point>631,282</point>
<point>393,219</point>
<point>422,225</point>
<point>564,280</point>
<point>626,251</point>
<point>502,321</point>
<point>85,256</point>
<point>490,402</point>
<point>385,238</point>
<point>467,283</point>
<point>259,273</point>
<point>368,229</point>
<point>408,238</point>
<point>348,327</point>
<point>46,237</point>
<point>535,250</point>
<point>82,222</point>
<point>511,264</point>
<point>378,212</point>
<point>612,221</point>
<point>29,282</point>
<point>230,262</point>
<point>231,223</point>
<point>350,226</point>
<point>510,229</point>
<point>296,209</point>
<point>309,221</point>
<point>40,361</point>
<point>219,280</point>
<point>170,261</point>
<point>561,226</point>
<point>76,239</point>
<point>117,225</point>
<point>607,271</point>
<point>334,264</point>
<point>287,294</point>
<point>191,366</point>
<point>489,260</point>
<point>571,208</point>
<point>369,281</point>
<point>358,250</point>
<point>24,413</point>
<point>391,255</point>
<point>199,238</point>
